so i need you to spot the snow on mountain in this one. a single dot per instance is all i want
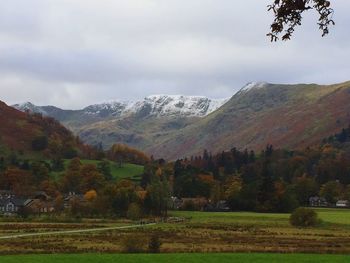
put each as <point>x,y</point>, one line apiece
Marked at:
<point>178,105</point>
<point>154,105</point>
<point>159,106</point>
<point>253,85</point>
<point>114,108</point>
<point>28,106</point>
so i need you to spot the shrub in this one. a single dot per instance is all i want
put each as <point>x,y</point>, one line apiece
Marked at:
<point>303,217</point>
<point>133,244</point>
<point>134,212</point>
<point>154,244</point>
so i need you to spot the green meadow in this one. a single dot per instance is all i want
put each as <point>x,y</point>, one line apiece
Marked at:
<point>127,171</point>
<point>329,216</point>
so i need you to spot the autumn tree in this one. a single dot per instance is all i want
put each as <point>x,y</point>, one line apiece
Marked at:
<point>17,180</point>
<point>90,195</point>
<point>71,180</point>
<point>305,187</point>
<point>233,187</point>
<point>331,191</point>
<point>121,195</point>
<point>288,15</point>
<point>121,153</point>
<point>40,171</point>
<point>91,178</point>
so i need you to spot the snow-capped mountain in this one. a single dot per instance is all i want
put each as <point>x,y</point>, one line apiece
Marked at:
<point>165,105</point>
<point>159,106</point>
<point>253,85</point>
<point>28,106</point>
<point>154,105</point>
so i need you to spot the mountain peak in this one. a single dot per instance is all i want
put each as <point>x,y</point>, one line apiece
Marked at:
<point>28,106</point>
<point>253,85</point>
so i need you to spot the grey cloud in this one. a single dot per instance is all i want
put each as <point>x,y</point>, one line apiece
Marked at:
<point>73,53</point>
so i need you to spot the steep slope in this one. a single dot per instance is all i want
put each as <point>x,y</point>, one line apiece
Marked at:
<point>289,116</point>
<point>34,134</point>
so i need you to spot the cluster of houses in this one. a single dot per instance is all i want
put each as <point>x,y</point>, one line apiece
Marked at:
<point>203,204</point>
<point>41,203</point>
<point>36,203</point>
<point>316,201</point>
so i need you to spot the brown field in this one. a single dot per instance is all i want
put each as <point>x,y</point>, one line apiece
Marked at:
<point>201,232</point>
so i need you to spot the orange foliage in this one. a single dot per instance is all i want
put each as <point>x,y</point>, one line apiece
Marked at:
<point>124,153</point>
<point>90,195</point>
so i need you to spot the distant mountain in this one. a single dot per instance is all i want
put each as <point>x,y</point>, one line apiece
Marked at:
<point>260,113</point>
<point>26,133</point>
<point>158,106</point>
<point>155,105</point>
<point>30,107</point>
<point>132,122</point>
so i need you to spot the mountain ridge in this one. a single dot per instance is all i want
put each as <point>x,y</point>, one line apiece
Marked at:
<point>260,113</point>
<point>158,105</point>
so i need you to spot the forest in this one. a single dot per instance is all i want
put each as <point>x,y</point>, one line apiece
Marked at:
<point>273,180</point>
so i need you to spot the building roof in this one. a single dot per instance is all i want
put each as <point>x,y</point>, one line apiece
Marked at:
<point>16,201</point>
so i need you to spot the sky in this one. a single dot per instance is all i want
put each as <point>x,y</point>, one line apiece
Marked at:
<point>73,53</point>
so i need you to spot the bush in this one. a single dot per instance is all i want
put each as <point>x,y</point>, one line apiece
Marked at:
<point>154,244</point>
<point>133,244</point>
<point>303,217</point>
<point>134,212</point>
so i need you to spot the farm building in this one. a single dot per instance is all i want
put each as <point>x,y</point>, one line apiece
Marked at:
<point>39,206</point>
<point>316,201</point>
<point>342,203</point>
<point>11,205</point>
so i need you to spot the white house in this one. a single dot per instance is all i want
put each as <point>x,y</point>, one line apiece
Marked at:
<point>342,203</point>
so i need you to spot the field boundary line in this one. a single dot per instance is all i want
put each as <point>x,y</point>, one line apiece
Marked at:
<point>75,231</point>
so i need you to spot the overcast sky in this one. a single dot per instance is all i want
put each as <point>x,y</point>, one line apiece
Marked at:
<point>72,53</point>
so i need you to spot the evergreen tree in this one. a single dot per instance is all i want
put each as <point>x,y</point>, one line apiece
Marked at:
<point>104,167</point>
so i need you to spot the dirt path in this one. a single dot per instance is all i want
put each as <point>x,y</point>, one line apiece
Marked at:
<point>73,231</point>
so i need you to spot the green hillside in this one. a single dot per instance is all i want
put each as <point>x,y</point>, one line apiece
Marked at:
<point>286,116</point>
<point>127,171</point>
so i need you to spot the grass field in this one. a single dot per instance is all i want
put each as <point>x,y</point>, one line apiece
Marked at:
<point>339,217</point>
<point>201,232</point>
<point>128,170</point>
<point>175,258</point>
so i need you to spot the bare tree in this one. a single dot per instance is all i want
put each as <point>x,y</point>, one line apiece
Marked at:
<point>288,15</point>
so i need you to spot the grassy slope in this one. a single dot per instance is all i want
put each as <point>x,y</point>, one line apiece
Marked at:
<point>127,171</point>
<point>287,116</point>
<point>208,258</point>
